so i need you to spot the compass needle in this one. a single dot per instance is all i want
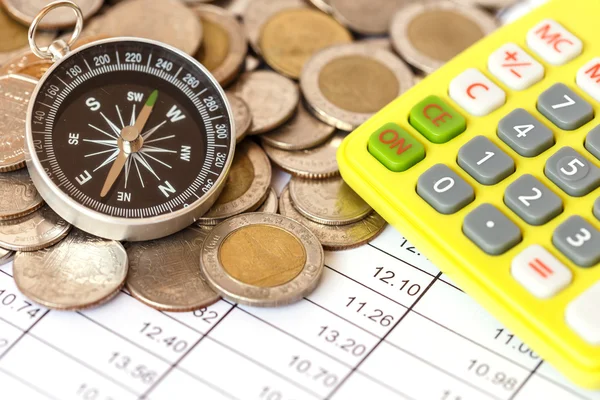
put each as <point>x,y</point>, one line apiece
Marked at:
<point>114,172</point>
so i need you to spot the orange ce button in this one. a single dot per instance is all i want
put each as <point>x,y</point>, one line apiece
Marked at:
<point>437,119</point>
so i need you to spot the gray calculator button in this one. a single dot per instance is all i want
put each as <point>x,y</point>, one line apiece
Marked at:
<point>491,230</point>
<point>579,241</point>
<point>592,142</point>
<point>565,108</point>
<point>597,208</point>
<point>485,161</point>
<point>525,134</point>
<point>444,190</point>
<point>531,200</point>
<point>572,172</point>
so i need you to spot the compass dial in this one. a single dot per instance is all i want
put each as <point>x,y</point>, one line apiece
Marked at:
<point>129,139</point>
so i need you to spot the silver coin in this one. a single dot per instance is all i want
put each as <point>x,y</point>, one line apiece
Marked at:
<point>246,187</point>
<point>18,195</point>
<point>316,163</point>
<point>6,256</point>
<point>368,17</point>
<point>301,132</point>
<point>428,34</point>
<point>271,203</point>
<point>262,260</point>
<point>271,97</point>
<point>15,92</point>
<point>328,201</point>
<point>38,230</point>
<point>346,85</point>
<point>26,10</point>
<point>80,272</point>
<point>323,5</point>
<point>241,114</point>
<point>165,274</point>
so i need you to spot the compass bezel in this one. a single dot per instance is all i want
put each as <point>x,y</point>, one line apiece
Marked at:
<point>112,227</point>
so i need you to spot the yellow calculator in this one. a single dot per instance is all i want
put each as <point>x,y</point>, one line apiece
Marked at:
<point>491,166</point>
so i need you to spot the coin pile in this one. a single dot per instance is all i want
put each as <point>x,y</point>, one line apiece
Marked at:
<point>298,75</point>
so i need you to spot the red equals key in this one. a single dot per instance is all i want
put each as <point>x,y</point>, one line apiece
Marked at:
<point>542,269</point>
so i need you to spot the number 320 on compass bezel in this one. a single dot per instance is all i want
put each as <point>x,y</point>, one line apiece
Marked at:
<point>129,139</point>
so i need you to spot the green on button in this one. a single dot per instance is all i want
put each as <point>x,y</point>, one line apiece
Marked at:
<point>395,148</point>
<point>436,120</point>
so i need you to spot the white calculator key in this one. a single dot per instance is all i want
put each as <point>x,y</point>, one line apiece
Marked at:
<point>583,317</point>
<point>588,78</point>
<point>551,41</point>
<point>515,67</point>
<point>474,92</point>
<point>540,272</point>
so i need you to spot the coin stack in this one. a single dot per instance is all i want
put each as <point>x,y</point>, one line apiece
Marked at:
<point>298,75</point>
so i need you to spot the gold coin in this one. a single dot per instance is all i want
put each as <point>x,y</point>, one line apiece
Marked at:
<point>18,195</point>
<point>367,17</point>
<point>15,92</point>
<point>328,201</point>
<point>346,85</point>
<point>167,21</point>
<point>343,237</point>
<point>38,230</point>
<point>271,97</point>
<point>301,132</point>
<point>241,115</point>
<point>428,34</point>
<point>224,46</point>
<point>290,37</point>
<point>13,37</point>
<point>262,260</point>
<point>246,186</point>
<point>165,274</point>
<point>315,163</point>
<point>271,203</point>
<point>82,271</point>
<point>26,10</point>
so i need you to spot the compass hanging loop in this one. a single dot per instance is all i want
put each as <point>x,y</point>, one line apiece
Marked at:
<point>59,48</point>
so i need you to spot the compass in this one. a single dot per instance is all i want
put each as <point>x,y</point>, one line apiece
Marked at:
<point>127,138</point>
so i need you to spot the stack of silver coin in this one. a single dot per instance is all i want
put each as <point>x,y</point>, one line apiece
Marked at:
<point>299,75</point>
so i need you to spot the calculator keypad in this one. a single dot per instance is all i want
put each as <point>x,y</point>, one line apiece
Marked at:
<point>531,200</point>
<point>444,190</point>
<point>551,41</point>
<point>538,271</point>
<point>579,241</point>
<point>491,230</point>
<point>582,315</point>
<point>485,161</point>
<point>514,67</point>
<point>572,172</point>
<point>525,134</point>
<point>565,108</point>
<point>476,93</point>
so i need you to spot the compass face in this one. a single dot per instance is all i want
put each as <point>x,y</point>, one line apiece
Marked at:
<point>130,129</point>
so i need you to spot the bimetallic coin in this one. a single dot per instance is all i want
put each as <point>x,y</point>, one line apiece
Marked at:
<point>271,204</point>
<point>13,37</point>
<point>246,186</point>
<point>271,97</point>
<point>289,38</point>
<point>82,271</point>
<point>301,132</point>
<point>316,163</point>
<point>428,34</point>
<point>35,231</point>
<point>241,115</point>
<point>368,17</point>
<point>259,12</point>
<point>165,274</point>
<point>26,10</point>
<point>328,202</point>
<point>262,260</point>
<point>18,195</point>
<point>167,21</point>
<point>15,92</point>
<point>224,47</point>
<point>346,85</point>
<point>333,238</point>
